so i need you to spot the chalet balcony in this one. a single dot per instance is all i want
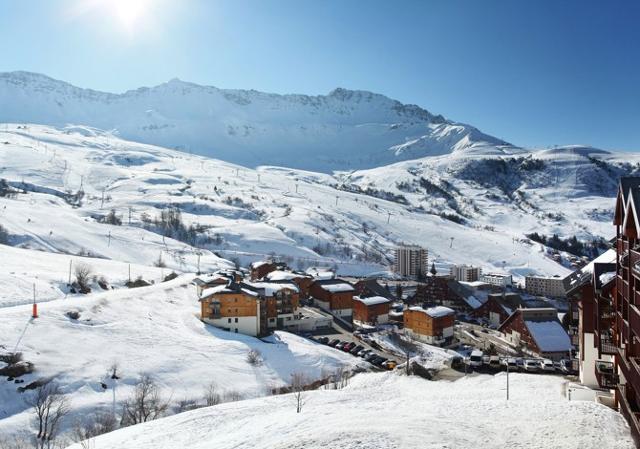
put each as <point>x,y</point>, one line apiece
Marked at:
<point>634,319</point>
<point>630,411</point>
<point>605,374</point>
<point>606,343</point>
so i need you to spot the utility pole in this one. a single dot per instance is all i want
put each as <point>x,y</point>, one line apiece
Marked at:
<point>198,262</point>
<point>507,379</point>
<point>129,272</point>
<point>109,244</point>
<point>337,199</point>
<point>388,217</point>
<point>451,245</point>
<point>102,199</point>
<point>34,313</point>
<point>129,215</point>
<point>70,263</point>
<point>296,188</point>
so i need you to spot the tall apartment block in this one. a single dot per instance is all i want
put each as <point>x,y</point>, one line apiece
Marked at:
<point>411,261</point>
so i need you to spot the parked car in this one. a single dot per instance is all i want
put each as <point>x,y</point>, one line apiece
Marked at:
<point>356,349</point>
<point>520,363</point>
<point>323,340</point>
<point>372,355</point>
<point>547,366</point>
<point>340,344</point>
<point>532,365</point>
<point>494,362</point>
<point>475,359</point>
<point>333,343</point>
<point>363,353</point>
<point>379,361</point>
<point>348,346</point>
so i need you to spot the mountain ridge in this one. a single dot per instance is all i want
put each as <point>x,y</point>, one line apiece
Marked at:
<point>343,130</point>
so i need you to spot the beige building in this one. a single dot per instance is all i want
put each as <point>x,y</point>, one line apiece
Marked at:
<point>497,279</point>
<point>411,261</point>
<point>466,273</point>
<point>545,286</point>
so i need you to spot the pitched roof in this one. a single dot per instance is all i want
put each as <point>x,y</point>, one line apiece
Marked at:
<point>434,312</point>
<point>372,301</point>
<point>334,285</point>
<point>603,274</point>
<point>549,335</point>
<point>376,288</point>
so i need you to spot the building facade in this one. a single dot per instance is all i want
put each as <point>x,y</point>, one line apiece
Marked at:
<point>433,325</point>
<point>373,310</point>
<point>411,261</point>
<point>334,295</point>
<point>466,273</point>
<point>498,279</point>
<point>552,286</point>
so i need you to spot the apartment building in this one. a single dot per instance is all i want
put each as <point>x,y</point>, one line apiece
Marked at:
<point>372,310</point>
<point>466,273</point>
<point>411,261</point>
<point>498,279</point>
<point>334,295</point>
<point>433,325</point>
<point>551,286</point>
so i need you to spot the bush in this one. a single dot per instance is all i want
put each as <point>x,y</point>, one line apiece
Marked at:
<point>170,276</point>
<point>83,274</point>
<point>254,357</point>
<point>139,282</point>
<point>73,314</point>
<point>112,218</point>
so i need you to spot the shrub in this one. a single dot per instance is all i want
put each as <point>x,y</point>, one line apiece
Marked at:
<point>254,357</point>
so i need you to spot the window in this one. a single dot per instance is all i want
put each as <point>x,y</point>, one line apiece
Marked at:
<point>236,320</point>
<point>236,330</point>
<point>228,320</point>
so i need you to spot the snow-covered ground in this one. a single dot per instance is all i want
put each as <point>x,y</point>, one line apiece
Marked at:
<point>304,217</point>
<point>149,330</point>
<point>392,411</point>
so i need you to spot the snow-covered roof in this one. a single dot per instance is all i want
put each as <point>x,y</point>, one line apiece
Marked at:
<point>217,290</point>
<point>472,301</point>
<point>281,275</point>
<point>550,336</point>
<point>338,287</point>
<point>259,263</point>
<point>372,301</point>
<point>434,312</point>
<point>271,288</point>
<point>320,273</point>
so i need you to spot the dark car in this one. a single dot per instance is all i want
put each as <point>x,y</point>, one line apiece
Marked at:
<point>520,363</point>
<point>371,356</point>
<point>356,349</point>
<point>340,345</point>
<point>333,343</point>
<point>348,346</point>
<point>379,361</point>
<point>323,340</point>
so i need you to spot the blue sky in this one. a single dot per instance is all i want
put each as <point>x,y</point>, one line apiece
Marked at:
<point>536,73</point>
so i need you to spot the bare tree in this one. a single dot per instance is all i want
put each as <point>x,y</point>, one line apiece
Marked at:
<point>254,357</point>
<point>408,348</point>
<point>83,274</point>
<point>145,405</point>
<point>340,378</point>
<point>298,383</point>
<point>211,396</point>
<point>50,407</point>
<point>84,431</point>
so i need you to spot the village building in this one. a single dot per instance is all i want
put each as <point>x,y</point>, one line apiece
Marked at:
<point>233,308</point>
<point>371,287</point>
<point>334,295</point>
<point>302,280</point>
<point>498,307</point>
<point>498,279</point>
<point>411,261</point>
<point>372,311</point>
<point>465,273</point>
<point>626,302</point>
<point>280,304</point>
<point>550,286</point>
<point>261,268</point>
<point>538,332</point>
<point>433,325</point>
<point>221,277</point>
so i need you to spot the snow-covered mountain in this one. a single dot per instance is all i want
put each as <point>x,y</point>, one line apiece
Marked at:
<point>342,130</point>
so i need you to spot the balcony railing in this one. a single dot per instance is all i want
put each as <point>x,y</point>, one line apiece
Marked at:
<point>605,374</point>
<point>630,411</point>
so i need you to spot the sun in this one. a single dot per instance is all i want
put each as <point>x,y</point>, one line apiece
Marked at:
<point>130,12</point>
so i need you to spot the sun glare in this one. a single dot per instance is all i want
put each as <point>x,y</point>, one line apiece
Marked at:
<point>129,12</point>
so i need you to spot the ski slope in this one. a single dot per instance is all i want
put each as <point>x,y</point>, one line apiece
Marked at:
<point>393,411</point>
<point>305,218</point>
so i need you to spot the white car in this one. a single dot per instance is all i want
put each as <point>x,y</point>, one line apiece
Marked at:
<point>547,366</point>
<point>475,359</point>
<point>532,366</point>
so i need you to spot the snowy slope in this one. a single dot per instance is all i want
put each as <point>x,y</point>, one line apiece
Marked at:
<point>344,129</point>
<point>390,411</point>
<point>150,330</point>
<point>352,220</point>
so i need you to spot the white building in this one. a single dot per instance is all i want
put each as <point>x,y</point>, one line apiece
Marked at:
<point>411,261</point>
<point>466,273</point>
<point>545,286</point>
<point>498,279</point>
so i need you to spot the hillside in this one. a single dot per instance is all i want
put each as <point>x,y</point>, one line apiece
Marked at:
<point>391,411</point>
<point>485,203</point>
<point>151,330</point>
<point>342,130</point>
